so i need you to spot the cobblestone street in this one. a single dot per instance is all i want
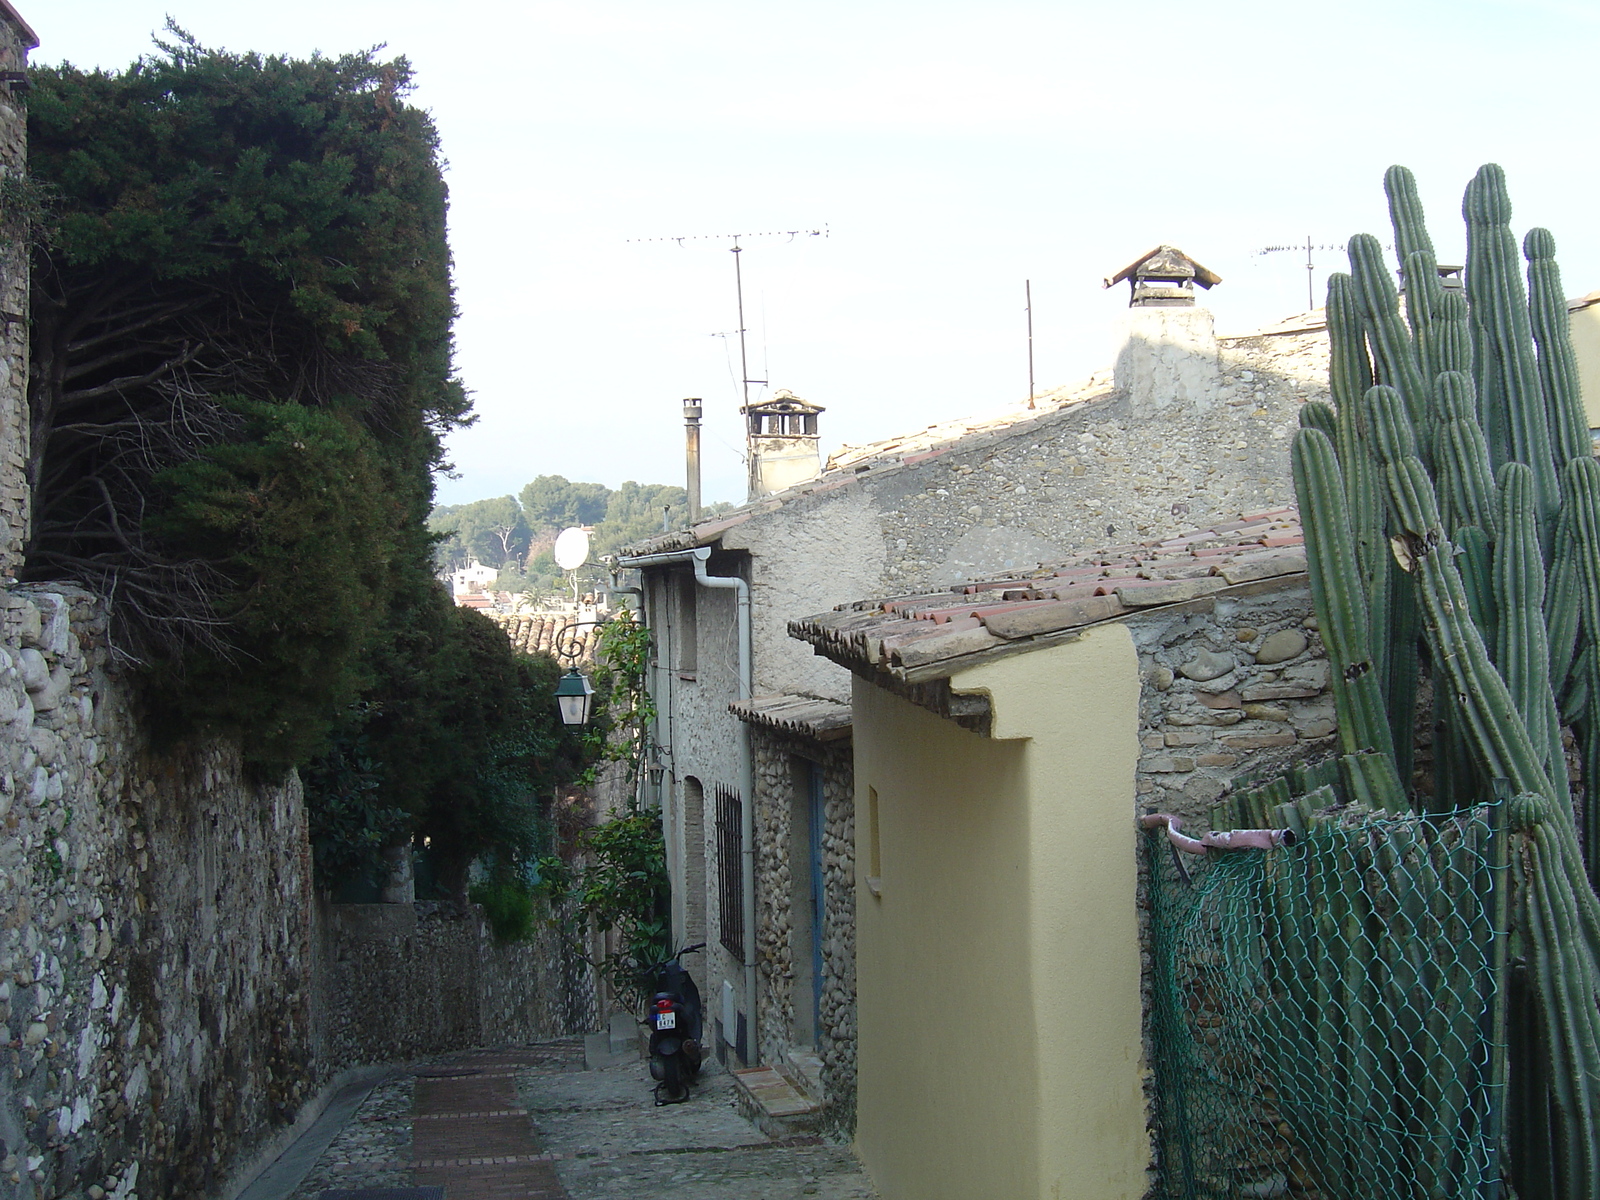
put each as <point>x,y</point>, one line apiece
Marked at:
<point>532,1123</point>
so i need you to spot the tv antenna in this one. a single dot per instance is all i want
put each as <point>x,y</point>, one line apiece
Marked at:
<point>738,279</point>
<point>1311,268</point>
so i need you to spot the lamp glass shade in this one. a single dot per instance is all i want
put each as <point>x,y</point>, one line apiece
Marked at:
<point>575,697</point>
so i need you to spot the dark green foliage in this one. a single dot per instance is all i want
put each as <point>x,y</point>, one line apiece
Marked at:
<point>459,735</point>
<point>468,736</point>
<point>624,887</point>
<point>233,233</point>
<point>508,905</point>
<point>293,518</point>
<point>349,822</point>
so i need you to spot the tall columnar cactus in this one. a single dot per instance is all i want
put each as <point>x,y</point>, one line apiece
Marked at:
<point>1471,459</point>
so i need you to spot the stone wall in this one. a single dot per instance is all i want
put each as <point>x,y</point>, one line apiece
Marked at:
<point>1099,471</point>
<point>779,957</point>
<point>441,982</point>
<point>1233,686</point>
<point>14,247</point>
<point>155,951</point>
<point>171,994</point>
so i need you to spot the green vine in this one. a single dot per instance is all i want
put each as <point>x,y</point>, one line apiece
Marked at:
<point>622,880</point>
<point>25,207</point>
<point>624,654</point>
<point>624,887</point>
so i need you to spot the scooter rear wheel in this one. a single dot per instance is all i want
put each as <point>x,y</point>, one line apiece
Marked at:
<point>671,1089</point>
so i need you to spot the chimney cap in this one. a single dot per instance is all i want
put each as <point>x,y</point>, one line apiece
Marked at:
<point>782,401</point>
<point>1165,262</point>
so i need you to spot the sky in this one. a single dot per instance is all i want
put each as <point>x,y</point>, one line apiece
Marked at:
<point>948,152</point>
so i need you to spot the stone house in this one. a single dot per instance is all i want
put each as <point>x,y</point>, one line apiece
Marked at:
<point>1006,732</point>
<point>753,734</point>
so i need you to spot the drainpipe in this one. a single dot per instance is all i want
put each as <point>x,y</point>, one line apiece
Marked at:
<point>747,835</point>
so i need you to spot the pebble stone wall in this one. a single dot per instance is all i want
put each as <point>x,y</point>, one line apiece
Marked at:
<point>14,246</point>
<point>154,947</point>
<point>775,798</point>
<point>1233,685</point>
<point>441,982</point>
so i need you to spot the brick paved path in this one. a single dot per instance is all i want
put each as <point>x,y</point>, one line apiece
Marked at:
<point>470,1134</point>
<point>533,1124</point>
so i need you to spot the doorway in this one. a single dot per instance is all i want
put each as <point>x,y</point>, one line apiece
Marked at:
<point>808,903</point>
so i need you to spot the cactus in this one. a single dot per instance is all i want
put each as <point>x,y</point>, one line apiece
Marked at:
<point>1500,309</point>
<point>1523,655</point>
<point>1558,365</point>
<point>1471,458</point>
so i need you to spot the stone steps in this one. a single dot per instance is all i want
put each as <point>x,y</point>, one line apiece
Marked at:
<point>619,1042</point>
<point>772,1098</point>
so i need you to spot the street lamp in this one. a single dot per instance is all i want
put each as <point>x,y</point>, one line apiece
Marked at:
<point>575,697</point>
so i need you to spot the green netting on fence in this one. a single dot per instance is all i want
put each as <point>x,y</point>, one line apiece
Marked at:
<point>1324,1015</point>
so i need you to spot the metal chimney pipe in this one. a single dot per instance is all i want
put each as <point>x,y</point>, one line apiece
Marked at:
<point>691,454</point>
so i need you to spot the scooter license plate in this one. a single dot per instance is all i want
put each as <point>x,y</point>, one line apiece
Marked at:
<point>666,1020</point>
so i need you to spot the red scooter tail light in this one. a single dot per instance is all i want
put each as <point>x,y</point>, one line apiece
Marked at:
<point>663,1005</point>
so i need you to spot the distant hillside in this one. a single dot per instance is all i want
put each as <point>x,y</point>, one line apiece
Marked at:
<point>516,533</point>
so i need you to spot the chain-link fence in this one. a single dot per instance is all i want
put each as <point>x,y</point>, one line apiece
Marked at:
<point>1324,1015</point>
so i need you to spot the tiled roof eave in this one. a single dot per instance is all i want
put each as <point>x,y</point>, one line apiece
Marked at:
<point>886,670</point>
<point>810,717</point>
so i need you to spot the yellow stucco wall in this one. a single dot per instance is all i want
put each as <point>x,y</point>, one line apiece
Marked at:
<point>1585,326</point>
<point>998,971</point>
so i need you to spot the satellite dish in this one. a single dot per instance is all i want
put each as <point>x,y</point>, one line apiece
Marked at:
<point>572,549</point>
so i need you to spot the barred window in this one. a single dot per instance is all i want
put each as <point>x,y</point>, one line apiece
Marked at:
<point>730,872</point>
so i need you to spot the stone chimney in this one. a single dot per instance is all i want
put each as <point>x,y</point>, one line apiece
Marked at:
<point>781,442</point>
<point>1168,358</point>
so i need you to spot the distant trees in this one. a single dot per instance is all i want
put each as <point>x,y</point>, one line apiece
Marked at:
<point>552,502</point>
<point>493,532</point>
<point>518,542</point>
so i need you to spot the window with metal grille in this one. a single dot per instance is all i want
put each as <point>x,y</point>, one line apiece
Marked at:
<point>730,872</point>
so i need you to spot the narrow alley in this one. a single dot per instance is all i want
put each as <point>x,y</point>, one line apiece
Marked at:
<point>533,1123</point>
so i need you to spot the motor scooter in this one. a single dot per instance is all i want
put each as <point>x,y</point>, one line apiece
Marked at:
<point>675,1028</point>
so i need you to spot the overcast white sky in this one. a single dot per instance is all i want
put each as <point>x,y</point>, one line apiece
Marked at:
<point>951,150</point>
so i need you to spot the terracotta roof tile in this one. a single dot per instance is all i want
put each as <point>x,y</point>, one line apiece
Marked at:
<point>808,716</point>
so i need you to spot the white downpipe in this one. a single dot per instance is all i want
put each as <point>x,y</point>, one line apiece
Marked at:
<point>747,806</point>
<point>747,836</point>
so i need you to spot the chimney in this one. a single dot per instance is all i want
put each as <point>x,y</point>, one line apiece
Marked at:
<point>1168,358</point>
<point>691,454</point>
<point>781,439</point>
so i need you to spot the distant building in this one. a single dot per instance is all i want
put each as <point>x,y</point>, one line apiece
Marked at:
<point>472,580</point>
